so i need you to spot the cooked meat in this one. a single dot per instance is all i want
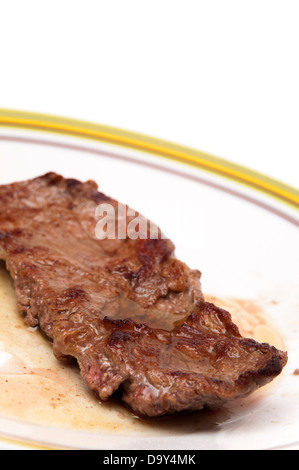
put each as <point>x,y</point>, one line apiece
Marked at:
<point>132,315</point>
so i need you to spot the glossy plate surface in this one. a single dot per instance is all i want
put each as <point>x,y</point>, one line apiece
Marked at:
<point>238,227</point>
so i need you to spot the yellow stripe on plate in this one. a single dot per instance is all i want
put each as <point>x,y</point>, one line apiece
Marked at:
<point>195,158</point>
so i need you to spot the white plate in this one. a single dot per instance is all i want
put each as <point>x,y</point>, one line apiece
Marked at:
<point>244,241</point>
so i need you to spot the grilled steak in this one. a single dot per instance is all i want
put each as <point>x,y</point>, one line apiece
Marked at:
<point>132,315</point>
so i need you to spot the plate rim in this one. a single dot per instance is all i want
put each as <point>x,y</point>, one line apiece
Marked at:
<point>160,148</point>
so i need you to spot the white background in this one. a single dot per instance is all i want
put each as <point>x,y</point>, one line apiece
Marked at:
<point>217,75</point>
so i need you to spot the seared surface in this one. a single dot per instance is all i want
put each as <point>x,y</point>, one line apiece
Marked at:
<point>132,315</point>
